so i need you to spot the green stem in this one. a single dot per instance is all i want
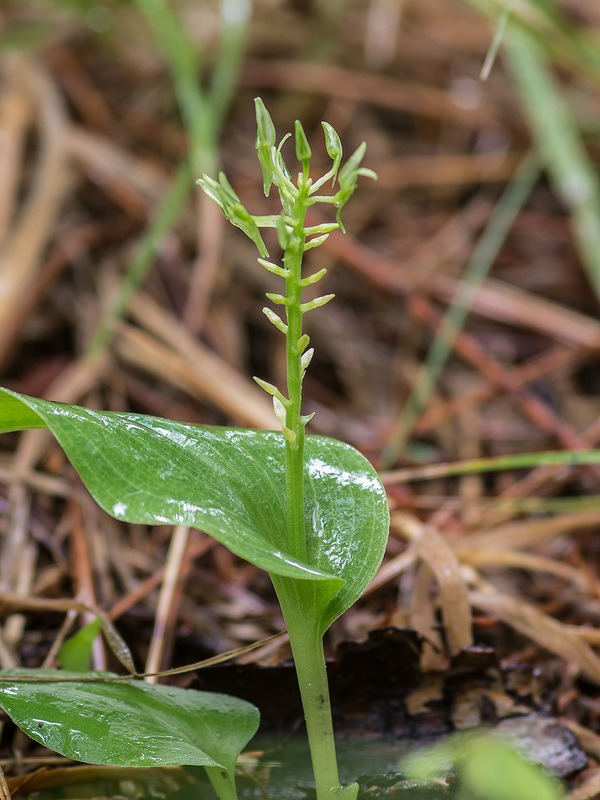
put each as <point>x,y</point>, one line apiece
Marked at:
<point>296,597</point>
<point>309,663</point>
<point>294,450</point>
<point>223,782</point>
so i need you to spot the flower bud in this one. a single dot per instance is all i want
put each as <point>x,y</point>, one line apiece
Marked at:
<point>333,144</point>
<point>265,130</point>
<point>303,151</point>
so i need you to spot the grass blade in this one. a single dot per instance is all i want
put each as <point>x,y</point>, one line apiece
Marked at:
<point>568,458</point>
<point>477,270</point>
<point>143,258</point>
<point>560,145</point>
<point>496,42</point>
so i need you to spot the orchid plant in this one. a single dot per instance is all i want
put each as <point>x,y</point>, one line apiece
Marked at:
<point>309,510</point>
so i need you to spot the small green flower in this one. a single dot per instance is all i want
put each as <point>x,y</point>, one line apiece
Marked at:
<point>303,151</point>
<point>233,209</point>
<point>333,146</point>
<point>265,142</point>
<point>347,179</point>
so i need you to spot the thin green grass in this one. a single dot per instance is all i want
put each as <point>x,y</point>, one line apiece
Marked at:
<point>143,258</point>
<point>497,41</point>
<point>560,144</point>
<point>530,505</point>
<point>478,268</point>
<point>533,34</point>
<point>203,109</point>
<point>566,458</point>
<point>575,48</point>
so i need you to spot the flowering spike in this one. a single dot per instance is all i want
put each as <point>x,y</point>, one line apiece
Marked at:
<point>295,237</point>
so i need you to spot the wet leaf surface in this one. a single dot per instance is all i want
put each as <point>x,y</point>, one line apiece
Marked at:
<point>131,723</point>
<point>228,482</point>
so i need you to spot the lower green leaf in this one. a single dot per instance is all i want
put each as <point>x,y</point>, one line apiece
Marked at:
<point>127,723</point>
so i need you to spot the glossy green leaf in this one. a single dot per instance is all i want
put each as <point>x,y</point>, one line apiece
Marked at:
<point>128,723</point>
<point>15,415</point>
<point>229,483</point>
